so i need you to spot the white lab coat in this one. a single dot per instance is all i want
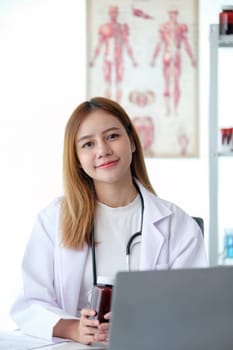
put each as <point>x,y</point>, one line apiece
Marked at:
<point>52,275</point>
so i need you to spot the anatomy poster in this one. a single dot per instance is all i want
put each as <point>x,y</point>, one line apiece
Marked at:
<point>144,55</point>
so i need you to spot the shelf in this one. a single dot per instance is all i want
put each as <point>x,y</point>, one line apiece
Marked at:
<point>225,154</point>
<point>216,152</point>
<point>225,40</point>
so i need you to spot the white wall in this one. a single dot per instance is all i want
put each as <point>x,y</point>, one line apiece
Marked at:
<point>42,79</point>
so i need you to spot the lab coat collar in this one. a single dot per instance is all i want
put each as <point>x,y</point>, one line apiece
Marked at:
<point>155,208</point>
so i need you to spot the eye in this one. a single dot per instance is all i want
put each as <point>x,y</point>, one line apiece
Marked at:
<point>112,136</point>
<point>88,144</point>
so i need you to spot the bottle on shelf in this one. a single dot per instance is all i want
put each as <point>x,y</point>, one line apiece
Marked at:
<point>228,246</point>
<point>226,140</point>
<point>226,20</point>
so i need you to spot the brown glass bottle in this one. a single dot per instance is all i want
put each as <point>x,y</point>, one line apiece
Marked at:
<point>226,20</point>
<point>101,298</point>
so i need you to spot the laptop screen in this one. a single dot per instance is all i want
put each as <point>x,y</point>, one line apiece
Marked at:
<point>173,310</point>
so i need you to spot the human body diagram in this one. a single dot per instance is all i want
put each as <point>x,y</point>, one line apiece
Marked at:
<point>172,36</point>
<point>113,36</point>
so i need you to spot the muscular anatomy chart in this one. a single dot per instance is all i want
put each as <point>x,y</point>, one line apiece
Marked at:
<point>143,54</point>
<point>173,36</point>
<point>113,39</point>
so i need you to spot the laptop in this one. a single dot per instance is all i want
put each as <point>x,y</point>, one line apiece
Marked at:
<point>186,309</point>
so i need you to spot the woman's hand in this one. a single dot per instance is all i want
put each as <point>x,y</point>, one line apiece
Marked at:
<point>102,334</point>
<point>85,330</point>
<point>87,327</point>
<point>82,331</point>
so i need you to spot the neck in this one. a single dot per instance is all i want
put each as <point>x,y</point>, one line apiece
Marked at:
<point>116,195</point>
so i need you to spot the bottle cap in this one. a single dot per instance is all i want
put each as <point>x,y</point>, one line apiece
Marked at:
<point>105,280</point>
<point>227,7</point>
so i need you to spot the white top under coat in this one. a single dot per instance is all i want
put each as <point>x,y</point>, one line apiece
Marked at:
<point>112,241</point>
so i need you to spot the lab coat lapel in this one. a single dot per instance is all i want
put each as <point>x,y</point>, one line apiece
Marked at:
<point>153,240</point>
<point>151,245</point>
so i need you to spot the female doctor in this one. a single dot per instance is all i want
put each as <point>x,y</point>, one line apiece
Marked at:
<point>107,200</point>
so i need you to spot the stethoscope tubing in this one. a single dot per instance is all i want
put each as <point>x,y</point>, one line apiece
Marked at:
<point>93,257</point>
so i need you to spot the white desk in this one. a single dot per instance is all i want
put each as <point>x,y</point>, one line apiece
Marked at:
<point>15,340</point>
<point>73,346</point>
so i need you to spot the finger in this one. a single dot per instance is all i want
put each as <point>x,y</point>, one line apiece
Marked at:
<point>101,337</point>
<point>87,322</point>
<point>88,312</point>
<point>104,327</point>
<point>87,334</point>
<point>88,339</point>
<point>90,330</point>
<point>107,316</point>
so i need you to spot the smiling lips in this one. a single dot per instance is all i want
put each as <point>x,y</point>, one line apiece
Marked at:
<point>108,164</point>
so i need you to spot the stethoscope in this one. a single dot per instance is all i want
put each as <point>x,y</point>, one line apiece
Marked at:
<point>131,242</point>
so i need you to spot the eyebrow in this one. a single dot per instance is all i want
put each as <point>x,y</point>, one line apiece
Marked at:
<point>85,137</point>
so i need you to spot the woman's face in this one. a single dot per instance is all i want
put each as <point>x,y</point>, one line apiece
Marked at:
<point>104,149</point>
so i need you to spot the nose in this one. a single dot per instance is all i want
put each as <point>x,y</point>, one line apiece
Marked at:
<point>103,149</point>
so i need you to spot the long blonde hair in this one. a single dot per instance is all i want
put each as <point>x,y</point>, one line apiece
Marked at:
<point>79,201</point>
